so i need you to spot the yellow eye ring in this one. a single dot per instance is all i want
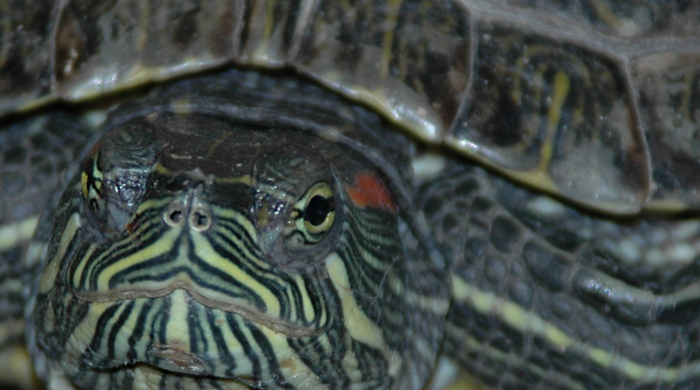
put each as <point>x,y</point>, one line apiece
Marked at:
<point>318,211</point>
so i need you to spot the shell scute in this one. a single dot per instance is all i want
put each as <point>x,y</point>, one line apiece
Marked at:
<point>545,109</point>
<point>563,96</point>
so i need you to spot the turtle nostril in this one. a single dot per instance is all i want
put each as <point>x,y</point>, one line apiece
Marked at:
<point>200,220</point>
<point>173,217</point>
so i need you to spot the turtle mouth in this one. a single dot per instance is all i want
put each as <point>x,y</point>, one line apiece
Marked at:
<point>254,316</point>
<point>175,331</point>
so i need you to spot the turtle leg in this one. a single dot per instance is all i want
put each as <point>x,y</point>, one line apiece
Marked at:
<point>549,297</point>
<point>33,155</point>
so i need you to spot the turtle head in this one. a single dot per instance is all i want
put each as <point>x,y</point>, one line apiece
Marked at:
<point>195,247</point>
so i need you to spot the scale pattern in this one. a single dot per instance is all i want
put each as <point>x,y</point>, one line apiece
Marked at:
<point>535,89</point>
<point>541,300</point>
<point>34,153</point>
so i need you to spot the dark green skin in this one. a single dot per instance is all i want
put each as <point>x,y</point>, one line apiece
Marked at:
<point>478,227</point>
<point>234,130</point>
<point>553,267</point>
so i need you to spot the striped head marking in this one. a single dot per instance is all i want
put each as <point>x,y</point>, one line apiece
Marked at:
<point>198,246</point>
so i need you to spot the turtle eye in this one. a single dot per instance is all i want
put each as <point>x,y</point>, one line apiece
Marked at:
<point>92,186</point>
<point>315,212</point>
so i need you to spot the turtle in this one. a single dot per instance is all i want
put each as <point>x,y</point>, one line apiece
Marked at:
<point>341,194</point>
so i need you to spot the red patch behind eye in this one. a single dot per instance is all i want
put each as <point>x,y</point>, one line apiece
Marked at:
<point>369,191</point>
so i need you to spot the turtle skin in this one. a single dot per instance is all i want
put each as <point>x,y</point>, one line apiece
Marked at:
<point>460,263</point>
<point>528,293</point>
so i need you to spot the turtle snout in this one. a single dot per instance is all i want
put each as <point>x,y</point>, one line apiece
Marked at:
<point>197,217</point>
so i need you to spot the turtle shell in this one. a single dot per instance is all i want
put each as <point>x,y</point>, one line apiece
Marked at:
<point>591,100</point>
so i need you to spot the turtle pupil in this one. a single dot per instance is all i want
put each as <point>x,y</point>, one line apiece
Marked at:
<point>317,209</point>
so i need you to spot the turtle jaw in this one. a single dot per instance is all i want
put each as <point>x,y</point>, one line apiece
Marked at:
<point>185,337</point>
<point>251,315</point>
